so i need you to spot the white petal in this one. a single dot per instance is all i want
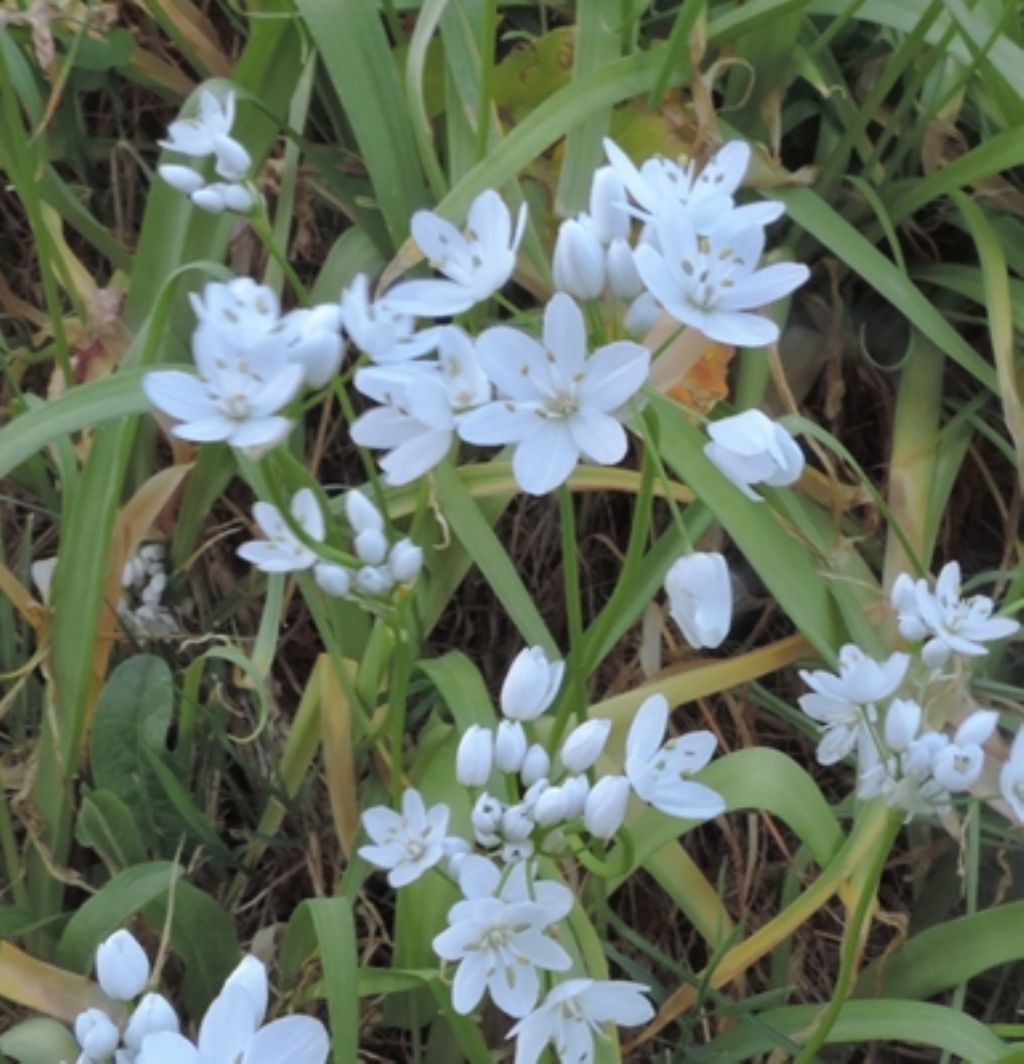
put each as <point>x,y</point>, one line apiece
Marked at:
<point>614,374</point>
<point>599,437</point>
<point>565,334</point>
<point>545,459</point>
<point>499,423</point>
<point>181,395</point>
<point>430,299</point>
<point>764,286</point>
<point>290,1040</point>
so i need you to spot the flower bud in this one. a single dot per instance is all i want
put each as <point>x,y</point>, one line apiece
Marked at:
<point>233,161</point>
<point>578,261</point>
<point>405,561</point>
<point>473,757</point>
<point>749,448</point>
<point>516,823</point>
<point>361,513</point>
<point>509,746</point>
<point>531,684</point>
<point>605,808</point>
<point>374,580</point>
<point>208,199</point>
<point>235,197</point>
<point>608,206</point>
<point>623,278</point>
<point>251,975</point>
<point>122,967</point>
<point>456,850</point>
<point>575,789</point>
<point>333,580</point>
<point>643,314</point>
<point>371,546</point>
<point>700,598</point>
<point>935,653</point>
<point>521,850</point>
<point>902,720</point>
<point>152,1015</point>
<point>181,178</point>
<point>536,765</point>
<point>583,745</point>
<point>96,1033</point>
<point>550,807</point>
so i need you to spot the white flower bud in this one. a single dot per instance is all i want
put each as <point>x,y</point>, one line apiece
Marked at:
<point>152,1015</point>
<point>251,975</point>
<point>534,791</point>
<point>238,198</point>
<point>405,561</point>
<point>578,261</point>
<point>583,745</point>
<point>333,580</point>
<point>371,546</point>
<point>208,199</point>
<point>536,765</point>
<point>181,178</point>
<point>456,850</point>
<point>551,807</point>
<point>122,967</point>
<point>956,767</point>
<point>520,850</point>
<point>233,161</point>
<point>374,580</point>
<point>486,814</point>
<point>361,513</point>
<point>623,278</point>
<point>473,757</point>
<point>575,789</point>
<point>935,653</point>
<point>96,1033</point>
<point>510,746</point>
<point>643,314</point>
<point>517,824</point>
<point>700,598</point>
<point>902,720</point>
<point>605,808</point>
<point>531,684</point>
<point>608,206</point>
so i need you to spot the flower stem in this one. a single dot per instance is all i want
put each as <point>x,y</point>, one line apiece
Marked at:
<point>261,227</point>
<point>649,421</point>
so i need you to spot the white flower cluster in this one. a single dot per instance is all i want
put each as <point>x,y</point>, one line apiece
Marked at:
<point>252,361</point>
<point>232,1029</point>
<point>208,133</point>
<point>881,709</point>
<point>141,609</point>
<point>384,565</point>
<point>500,933</point>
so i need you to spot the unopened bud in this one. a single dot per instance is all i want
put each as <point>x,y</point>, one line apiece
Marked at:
<point>605,808</point>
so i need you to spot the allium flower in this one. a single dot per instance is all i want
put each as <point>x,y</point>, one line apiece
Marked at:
<point>573,1012</point>
<point>1011,776</point>
<point>311,338</point>
<point>379,329</point>
<point>959,763</point>
<point>238,315</point>
<point>209,133</point>
<point>231,1034</point>
<point>476,263</point>
<point>710,281</point>
<point>750,448</point>
<point>605,807</point>
<point>220,196</point>
<point>407,844</point>
<point>560,404</point>
<point>122,967</point>
<point>699,591</point>
<point>584,744</point>
<point>660,183</point>
<point>659,770</point>
<point>282,551</point>
<point>578,262</point>
<point>422,403</point>
<point>957,625</point>
<point>97,1034</point>
<point>846,704</point>
<point>530,685</point>
<point>536,765</point>
<point>474,756</point>
<point>510,745</point>
<point>153,1014</point>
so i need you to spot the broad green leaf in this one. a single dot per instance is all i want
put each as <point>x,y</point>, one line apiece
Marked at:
<point>107,825</point>
<point>38,1041</point>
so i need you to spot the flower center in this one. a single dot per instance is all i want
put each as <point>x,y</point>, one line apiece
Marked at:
<point>236,405</point>
<point>561,404</point>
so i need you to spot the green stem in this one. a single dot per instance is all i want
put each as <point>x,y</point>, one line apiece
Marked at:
<point>649,423</point>
<point>572,696</point>
<point>262,228</point>
<point>487,46</point>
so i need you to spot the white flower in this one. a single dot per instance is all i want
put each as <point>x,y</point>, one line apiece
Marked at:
<point>750,448</point>
<point>699,591</point>
<point>154,1013</point>
<point>282,551</point>
<point>476,263</point>
<point>486,819</point>
<point>959,763</point>
<point>499,942</point>
<point>208,133</point>
<point>605,807</point>
<point>405,560</point>
<point>474,756</point>
<point>371,546</point>
<point>578,262</point>
<point>608,214</point>
<point>560,404</point>
<point>181,178</point>
<point>333,580</point>
<point>311,338</point>
<point>710,281</point>
<point>362,514</point>
<point>536,765</point>
<point>231,1034</point>
<point>584,744</point>
<point>517,822</point>
<point>846,704</point>
<point>1011,776</point>
<point>657,770</point>
<point>904,601</point>
<point>957,625</point>
<point>623,279</point>
<point>551,807</point>
<point>902,721</point>
<point>374,580</point>
<point>510,745</point>
<point>96,1033</point>
<point>530,685</point>
<point>422,403</point>
<point>576,790</point>
<point>407,844</point>
<point>223,196</point>
<point>122,967</point>
<point>379,329</point>
<point>573,1012</point>
<point>660,183</point>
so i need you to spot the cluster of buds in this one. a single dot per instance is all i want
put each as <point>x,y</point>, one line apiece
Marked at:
<point>208,133</point>
<point>144,580</point>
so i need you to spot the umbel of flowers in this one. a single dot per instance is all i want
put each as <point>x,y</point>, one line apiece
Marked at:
<point>503,936</point>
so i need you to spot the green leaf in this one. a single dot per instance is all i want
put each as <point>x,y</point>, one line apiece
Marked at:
<point>38,1041</point>
<point>107,825</point>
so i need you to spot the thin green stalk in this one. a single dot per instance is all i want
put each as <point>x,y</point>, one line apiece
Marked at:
<point>572,696</point>
<point>687,17</point>
<point>649,423</point>
<point>404,661</point>
<point>487,46</point>
<point>261,226</point>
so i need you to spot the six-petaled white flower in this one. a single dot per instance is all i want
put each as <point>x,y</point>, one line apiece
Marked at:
<point>749,448</point>
<point>282,551</point>
<point>406,844</point>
